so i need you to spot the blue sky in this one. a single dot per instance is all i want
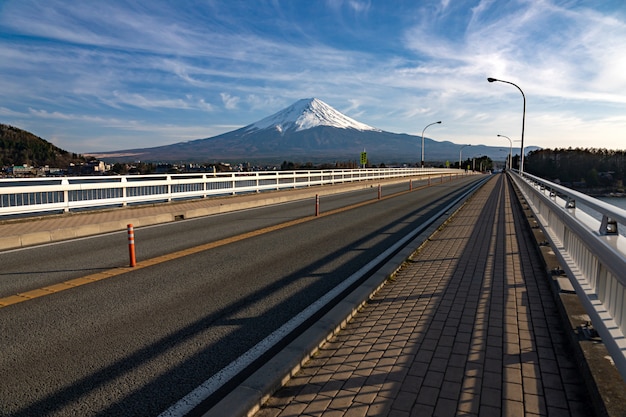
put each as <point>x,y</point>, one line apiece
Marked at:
<point>92,75</point>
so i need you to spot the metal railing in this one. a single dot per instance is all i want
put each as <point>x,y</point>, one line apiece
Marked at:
<point>592,252</point>
<point>29,196</point>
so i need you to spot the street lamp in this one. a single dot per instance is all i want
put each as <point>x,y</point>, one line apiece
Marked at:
<point>510,150</point>
<point>521,167</point>
<point>439,122</point>
<point>461,150</point>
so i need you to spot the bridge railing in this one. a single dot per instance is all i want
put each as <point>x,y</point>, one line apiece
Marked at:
<point>29,196</point>
<point>592,251</point>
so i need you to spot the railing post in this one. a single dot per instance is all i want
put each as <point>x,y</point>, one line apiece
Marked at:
<point>168,178</point>
<point>66,195</point>
<point>124,191</point>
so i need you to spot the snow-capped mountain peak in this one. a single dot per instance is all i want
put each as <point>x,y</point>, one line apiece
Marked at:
<point>305,114</point>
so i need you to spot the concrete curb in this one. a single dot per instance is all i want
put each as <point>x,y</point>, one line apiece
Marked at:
<point>10,242</point>
<point>38,238</point>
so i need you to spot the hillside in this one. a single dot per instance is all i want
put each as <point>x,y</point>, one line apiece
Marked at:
<point>19,147</point>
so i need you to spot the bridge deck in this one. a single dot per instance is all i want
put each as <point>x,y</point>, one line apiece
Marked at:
<point>469,326</point>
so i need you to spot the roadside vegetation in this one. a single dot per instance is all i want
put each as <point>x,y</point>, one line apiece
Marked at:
<point>590,170</point>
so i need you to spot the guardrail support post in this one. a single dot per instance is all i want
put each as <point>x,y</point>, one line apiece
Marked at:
<point>608,226</point>
<point>131,245</point>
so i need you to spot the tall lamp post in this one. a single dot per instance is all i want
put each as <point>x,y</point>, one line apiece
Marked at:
<point>461,150</point>
<point>521,167</point>
<point>439,122</point>
<point>510,150</point>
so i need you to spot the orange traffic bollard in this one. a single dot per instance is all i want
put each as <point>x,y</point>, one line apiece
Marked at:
<point>131,245</point>
<point>317,205</point>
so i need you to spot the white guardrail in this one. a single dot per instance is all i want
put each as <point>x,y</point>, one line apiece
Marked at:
<point>28,196</point>
<point>592,251</point>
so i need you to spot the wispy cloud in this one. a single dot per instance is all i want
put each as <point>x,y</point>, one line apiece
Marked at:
<point>229,101</point>
<point>558,51</point>
<point>358,6</point>
<point>10,113</point>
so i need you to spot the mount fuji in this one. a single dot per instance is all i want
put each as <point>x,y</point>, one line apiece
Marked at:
<point>306,114</point>
<point>307,131</point>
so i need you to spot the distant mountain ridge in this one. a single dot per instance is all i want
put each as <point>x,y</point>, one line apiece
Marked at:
<point>307,131</point>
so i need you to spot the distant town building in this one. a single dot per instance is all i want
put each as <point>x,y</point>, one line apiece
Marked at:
<point>24,171</point>
<point>90,168</point>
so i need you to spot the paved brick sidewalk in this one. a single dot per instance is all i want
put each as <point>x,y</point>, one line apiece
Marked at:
<point>468,327</point>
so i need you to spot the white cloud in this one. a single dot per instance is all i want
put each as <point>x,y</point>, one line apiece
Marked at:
<point>230,102</point>
<point>98,120</point>
<point>10,113</point>
<point>203,105</point>
<point>359,6</point>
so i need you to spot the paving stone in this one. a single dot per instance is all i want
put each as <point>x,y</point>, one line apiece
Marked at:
<point>512,408</point>
<point>317,406</point>
<point>428,396</point>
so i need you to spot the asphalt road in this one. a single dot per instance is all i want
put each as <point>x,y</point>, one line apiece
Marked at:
<point>135,343</point>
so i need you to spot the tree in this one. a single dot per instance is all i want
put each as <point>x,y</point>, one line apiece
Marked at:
<point>594,167</point>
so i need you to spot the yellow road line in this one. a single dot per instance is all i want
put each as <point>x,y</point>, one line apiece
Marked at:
<point>76,282</point>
